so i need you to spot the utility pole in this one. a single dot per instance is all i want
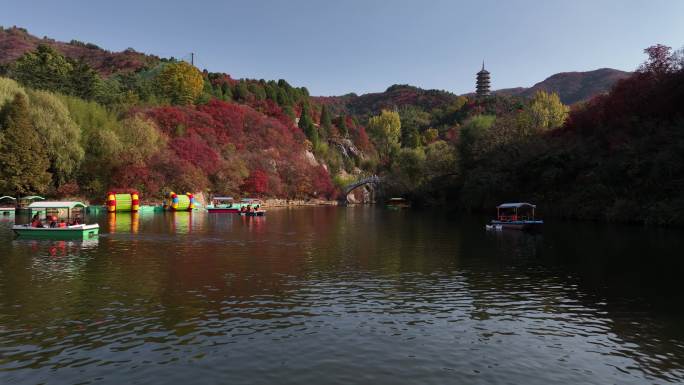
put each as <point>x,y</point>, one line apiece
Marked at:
<point>192,58</point>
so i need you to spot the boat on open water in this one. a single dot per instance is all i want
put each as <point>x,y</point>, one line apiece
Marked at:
<point>56,220</point>
<point>251,207</point>
<point>516,216</point>
<point>398,203</point>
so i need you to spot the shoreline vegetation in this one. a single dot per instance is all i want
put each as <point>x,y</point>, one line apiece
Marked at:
<point>77,120</point>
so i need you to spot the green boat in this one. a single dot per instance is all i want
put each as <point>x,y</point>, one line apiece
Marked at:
<point>56,220</point>
<point>8,210</point>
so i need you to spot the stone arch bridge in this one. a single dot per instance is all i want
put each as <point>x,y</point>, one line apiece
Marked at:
<point>371,183</point>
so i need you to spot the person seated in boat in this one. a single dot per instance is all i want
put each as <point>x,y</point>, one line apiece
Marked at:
<point>53,222</point>
<point>62,224</point>
<point>243,209</point>
<point>76,221</point>
<point>35,221</point>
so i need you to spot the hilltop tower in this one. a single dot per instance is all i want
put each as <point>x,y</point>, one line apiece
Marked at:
<point>482,83</point>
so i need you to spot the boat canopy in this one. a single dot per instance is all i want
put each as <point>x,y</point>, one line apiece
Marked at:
<point>223,198</point>
<point>397,199</point>
<point>8,197</point>
<point>33,198</point>
<point>251,200</point>
<point>515,205</point>
<point>55,205</point>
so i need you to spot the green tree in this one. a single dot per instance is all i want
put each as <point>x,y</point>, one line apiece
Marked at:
<point>23,159</point>
<point>408,170</point>
<point>84,81</point>
<point>140,139</point>
<point>413,121</point>
<point>386,131</point>
<point>60,135</point>
<point>99,138</point>
<point>471,134</point>
<point>326,121</point>
<point>341,124</point>
<point>44,69</point>
<point>283,97</point>
<point>441,160</point>
<point>181,82</point>
<point>308,127</point>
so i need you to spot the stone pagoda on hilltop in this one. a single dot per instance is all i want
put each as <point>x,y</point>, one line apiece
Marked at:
<point>482,84</point>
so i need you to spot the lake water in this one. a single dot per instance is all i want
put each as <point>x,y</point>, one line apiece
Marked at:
<point>357,295</point>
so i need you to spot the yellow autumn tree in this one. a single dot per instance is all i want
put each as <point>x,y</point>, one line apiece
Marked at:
<point>546,111</point>
<point>180,82</point>
<point>386,131</point>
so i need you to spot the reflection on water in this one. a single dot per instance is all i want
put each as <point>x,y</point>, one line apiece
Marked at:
<point>341,295</point>
<point>123,222</point>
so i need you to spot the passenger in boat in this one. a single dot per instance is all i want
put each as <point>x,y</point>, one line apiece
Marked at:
<point>62,224</point>
<point>53,222</point>
<point>35,221</point>
<point>76,221</point>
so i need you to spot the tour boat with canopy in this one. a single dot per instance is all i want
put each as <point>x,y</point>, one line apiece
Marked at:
<point>517,216</point>
<point>7,210</point>
<point>398,203</point>
<point>57,220</point>
<point>24,202</point>
<point>224,205</point>
<point>251,207</point>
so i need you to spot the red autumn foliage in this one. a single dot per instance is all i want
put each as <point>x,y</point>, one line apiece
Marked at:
<point>196,151</point>
<point>256,183</point>
<point>202,138</point>
<point>17,41</point>
<point>322,184</point>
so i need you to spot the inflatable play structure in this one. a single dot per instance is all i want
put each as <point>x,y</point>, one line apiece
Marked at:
<point>176,202</point>
<point>119,202</point>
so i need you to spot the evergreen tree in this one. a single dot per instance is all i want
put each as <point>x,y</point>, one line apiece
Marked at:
<point>342,126</point>
<point>44,69</point>
<point>241,92</point>
<point>307,126</point>
<point>326,123</point>
<point>227,93</point>
<point>23,159</point>
<point>84,81</point>
<point>283,97</point>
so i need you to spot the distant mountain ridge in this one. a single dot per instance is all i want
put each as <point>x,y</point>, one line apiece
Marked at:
<point>16,41</point>
<point>572,87</point>
<point>397,95</point>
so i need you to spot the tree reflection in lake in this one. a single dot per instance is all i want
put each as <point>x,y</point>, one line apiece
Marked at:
<point>345,294</point>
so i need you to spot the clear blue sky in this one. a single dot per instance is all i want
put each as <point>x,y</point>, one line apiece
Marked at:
<point>339,46</point>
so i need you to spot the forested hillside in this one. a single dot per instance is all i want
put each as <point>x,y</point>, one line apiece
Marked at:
<point>619,157</point>
<point>76,120</point>
<point>105,120</point>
